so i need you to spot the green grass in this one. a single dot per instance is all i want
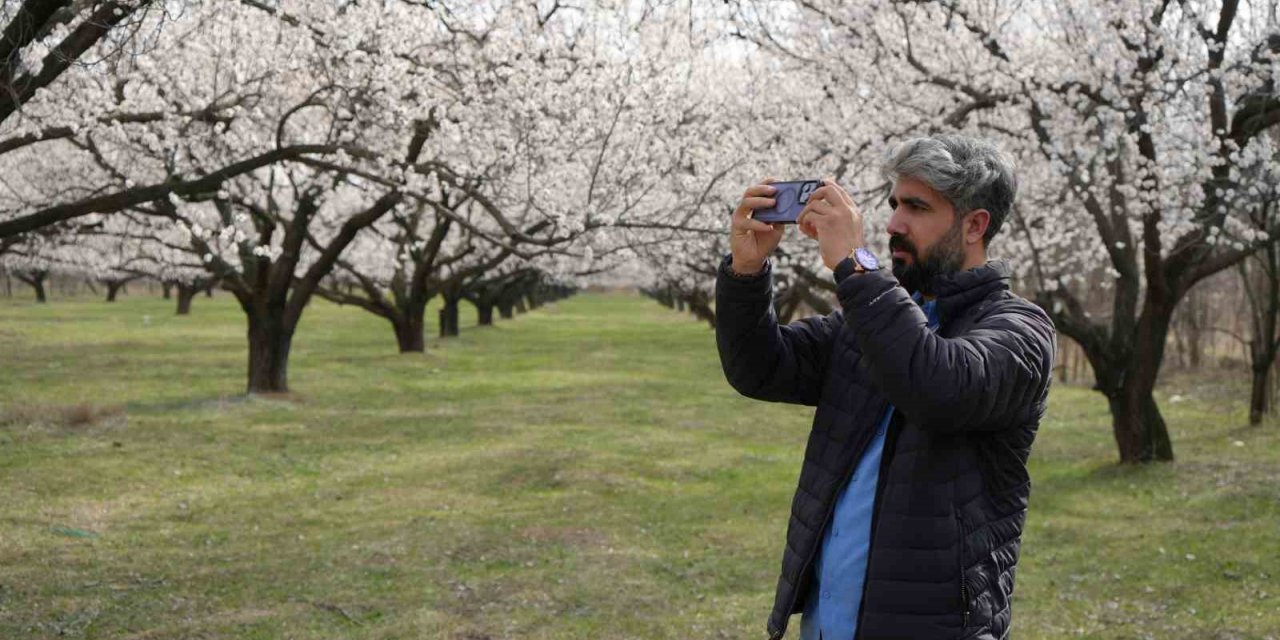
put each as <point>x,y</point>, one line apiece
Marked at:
<point>582,471</point>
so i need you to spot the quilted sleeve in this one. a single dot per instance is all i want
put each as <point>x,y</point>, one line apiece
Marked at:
<point>762,359</point>
<point>990,378</point>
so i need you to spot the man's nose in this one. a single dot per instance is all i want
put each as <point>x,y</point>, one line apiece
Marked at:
<point>896,225</point>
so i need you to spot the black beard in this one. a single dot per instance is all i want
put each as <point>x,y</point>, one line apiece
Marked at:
<point>946,256</point>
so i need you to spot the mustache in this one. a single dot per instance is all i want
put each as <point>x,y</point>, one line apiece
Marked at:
<point>899,243</point>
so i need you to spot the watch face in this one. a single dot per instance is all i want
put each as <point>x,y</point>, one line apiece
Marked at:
<point>866,259</point>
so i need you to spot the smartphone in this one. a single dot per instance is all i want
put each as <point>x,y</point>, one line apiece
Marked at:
<point>789,201</point>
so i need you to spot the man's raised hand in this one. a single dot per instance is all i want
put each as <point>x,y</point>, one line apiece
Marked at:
<point>751,240</point>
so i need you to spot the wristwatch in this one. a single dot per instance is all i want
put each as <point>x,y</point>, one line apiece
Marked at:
<point>860,260</point>
<point>864,260</point>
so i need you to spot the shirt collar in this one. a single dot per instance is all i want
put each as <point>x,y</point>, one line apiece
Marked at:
<point>929,307</point>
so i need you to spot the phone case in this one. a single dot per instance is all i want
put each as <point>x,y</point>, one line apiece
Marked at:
<point>790,200</point>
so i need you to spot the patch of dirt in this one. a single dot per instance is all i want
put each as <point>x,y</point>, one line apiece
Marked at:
<point>473,600</point>
<point>288,427</point>
<point>200,627</point>
<point>471,635</point>
<point>1228,473</point>
<point>575,536</point>
<point>282,397</point>
<point>64,418</point>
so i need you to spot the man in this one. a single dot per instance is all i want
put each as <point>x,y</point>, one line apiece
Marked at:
<point>929,384</point>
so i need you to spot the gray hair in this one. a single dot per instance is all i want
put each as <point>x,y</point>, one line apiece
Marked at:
<point>968,172</point>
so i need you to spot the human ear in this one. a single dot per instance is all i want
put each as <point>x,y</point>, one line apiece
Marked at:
<point>976,226</point>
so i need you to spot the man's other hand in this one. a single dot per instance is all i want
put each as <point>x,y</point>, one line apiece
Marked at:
<point>833,219</point>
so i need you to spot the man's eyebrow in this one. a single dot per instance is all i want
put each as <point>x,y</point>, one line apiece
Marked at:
<point>918,203</point>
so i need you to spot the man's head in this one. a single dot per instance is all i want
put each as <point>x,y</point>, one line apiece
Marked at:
<point>951,194</point>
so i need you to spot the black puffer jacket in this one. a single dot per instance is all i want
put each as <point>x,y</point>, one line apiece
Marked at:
<point>953,486</point>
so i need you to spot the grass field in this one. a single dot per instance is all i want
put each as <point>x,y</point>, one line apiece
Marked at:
<point>582,471</point>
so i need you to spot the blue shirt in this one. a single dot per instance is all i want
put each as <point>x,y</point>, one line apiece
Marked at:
<point>831,611</point>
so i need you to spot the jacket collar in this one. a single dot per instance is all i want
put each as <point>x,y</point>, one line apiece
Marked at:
<point>959,290</point>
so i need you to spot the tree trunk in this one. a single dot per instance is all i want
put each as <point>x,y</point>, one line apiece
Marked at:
<point>449,318</point>
<point>1264,315</point>
<point>505,311</point>
<point>1125,372</point>
<point>36,281</point>
<point>484,314</point>
<point>269,344</point>
<point>410,334</point>
<point>706,314</point>
<point>520,308</point>
<point>208,290</point>
<point>1258,398</point>
<point>1140,431</point>
<point>1195,336</point>
<point>185,294</point>
<point>113,288</point>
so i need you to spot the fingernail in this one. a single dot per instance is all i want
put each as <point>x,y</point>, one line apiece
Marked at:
<point>771,189</point>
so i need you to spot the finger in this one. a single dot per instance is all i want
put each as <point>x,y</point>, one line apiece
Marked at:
<point>846,196</point>
<point>760,190</point>
<point>752,199</point>
<point>831,193</point>
<point>757,202</point>
<point>841,191</point>
<point>809,231</point>
<point>815,205</point>
<point>821,207</point>
<point>806,226</point>
<point>747,224</point>
<point>819,213</point>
